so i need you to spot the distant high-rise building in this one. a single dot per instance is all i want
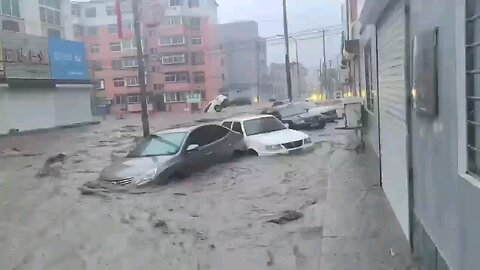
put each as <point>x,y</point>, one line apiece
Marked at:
<point>244,61</point>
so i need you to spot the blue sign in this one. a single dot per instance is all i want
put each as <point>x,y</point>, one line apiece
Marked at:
<point>67,60</point>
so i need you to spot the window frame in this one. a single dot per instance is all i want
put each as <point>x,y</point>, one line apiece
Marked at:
<point>174,59</point>
<point>193,3</point>
<point>89,33</point>
<point>92,15</point>
<point>199,74</point>
<point>94,48</point>
<point>115,45</point>
<point>171,41</point>
<point>177,75</point>
<point>130,79</point>
<point>117,80</point>
<point>110,10</point>
<point>12,13</point>
<point>196,38</point>
<point>241,127</point>
<point>197,55</point>
<point>175,3</point>
<point>8,23</point>
<point>113,30</point>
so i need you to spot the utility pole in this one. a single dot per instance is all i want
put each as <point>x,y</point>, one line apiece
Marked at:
<point>141,68</point>
<point>287,51</point>
<point>324,66</point>
<point>258,70</point>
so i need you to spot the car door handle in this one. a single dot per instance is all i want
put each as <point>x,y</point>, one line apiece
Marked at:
<point>209,153</point>
<point>229,144</point>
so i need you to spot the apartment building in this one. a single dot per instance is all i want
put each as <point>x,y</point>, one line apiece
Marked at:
<point>184,55</point>
<point>37,17</point>
<point>112,59</point>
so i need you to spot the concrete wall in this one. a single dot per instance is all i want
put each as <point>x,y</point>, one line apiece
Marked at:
<point>434,140</point>
<point>40,108</point>
<point>368,36</point>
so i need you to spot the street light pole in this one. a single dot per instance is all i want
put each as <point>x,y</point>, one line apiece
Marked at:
<point>287,51</point>
<point>298,62</point>
<point>141,69</point>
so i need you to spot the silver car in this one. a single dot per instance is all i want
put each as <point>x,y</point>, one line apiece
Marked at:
<point>173,153</point>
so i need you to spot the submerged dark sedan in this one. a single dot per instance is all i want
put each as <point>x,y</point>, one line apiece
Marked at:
<point>297,116</point>
<point>173,153</point>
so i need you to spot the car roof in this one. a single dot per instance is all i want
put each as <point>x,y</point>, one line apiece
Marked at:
<point>241,118</point>
<point>187,129</point>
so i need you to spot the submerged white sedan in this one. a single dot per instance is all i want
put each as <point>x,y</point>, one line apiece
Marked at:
<point>265,135</point>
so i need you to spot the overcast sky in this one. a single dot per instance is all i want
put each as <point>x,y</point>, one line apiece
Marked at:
<point>302,15</point>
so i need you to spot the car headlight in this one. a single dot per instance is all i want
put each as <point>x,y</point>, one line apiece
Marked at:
<point>307,141</point>
<point>273,147</point>
<point>146,177</point>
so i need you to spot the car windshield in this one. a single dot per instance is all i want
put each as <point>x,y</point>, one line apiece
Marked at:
<point>262,125</point>
<point>159,145</point>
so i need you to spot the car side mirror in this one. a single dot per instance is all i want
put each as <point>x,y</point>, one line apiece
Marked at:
<point>192,148</point>
<point>287,125</point>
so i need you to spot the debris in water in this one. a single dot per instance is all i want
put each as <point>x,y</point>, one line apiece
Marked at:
<point>179,194</point>
<point>270,258</point>
<point>57,158</point>
<point>212,246</point>
<point>160,224</point>
<point>392,253</point>
<point>287,216</point>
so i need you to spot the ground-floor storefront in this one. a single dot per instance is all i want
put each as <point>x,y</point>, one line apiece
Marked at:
<point>26,109</point>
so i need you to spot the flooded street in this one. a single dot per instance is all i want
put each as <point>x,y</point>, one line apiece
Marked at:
<point>251,213</point>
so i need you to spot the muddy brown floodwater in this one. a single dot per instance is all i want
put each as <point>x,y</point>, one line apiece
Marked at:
<point>218,219</point>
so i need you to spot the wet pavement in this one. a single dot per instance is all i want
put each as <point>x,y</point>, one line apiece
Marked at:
<point>320,210</point>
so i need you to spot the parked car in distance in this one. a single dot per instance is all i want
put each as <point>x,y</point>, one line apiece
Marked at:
<point>297,116</point>
<point>220,102</point>
<point>173,153</point>
<point>265,135</point>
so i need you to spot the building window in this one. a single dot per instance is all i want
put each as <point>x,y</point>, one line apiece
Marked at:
<point>128,25</point>
<point>133,99</point>
<point>130,62</point>
<point>94,48</point>
<point>115,46</point>
<point>153,51</point>
<point>175,3</point>
<point>117,64</point>
<point>76,10</point>
<point>198,58</point>
<point>54,33</point>
<point>369,78</point>
<point>112,29</point>
<point>128,45</point>
<point>195,22</point>
<point>110,10</point>
<point>95,65</point>
<point>202,93</point>
<point>10,7</point>
<point>172,41</point>
<point>120,100</point>
<point>157,86</point>
<point>174,59</point>
<point>50,14</point>
<point>193,3</point>
<point>9,25</point>
<point>92,30</point>
<point>199,77</point>
<point>118,82</point>
<point>91,12</point>
<point>472,54</point>
<point>197,40</point>
<point>173,20</point>
<point>176,97</point>
<point>176,77</point>
<point>78,31</point>
<point>132,81</point>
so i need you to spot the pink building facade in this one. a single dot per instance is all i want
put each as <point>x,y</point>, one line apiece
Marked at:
<point>182,53</point>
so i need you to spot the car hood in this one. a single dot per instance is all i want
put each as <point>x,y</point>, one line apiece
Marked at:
<point>278,137</point>
<point>132,167</point>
